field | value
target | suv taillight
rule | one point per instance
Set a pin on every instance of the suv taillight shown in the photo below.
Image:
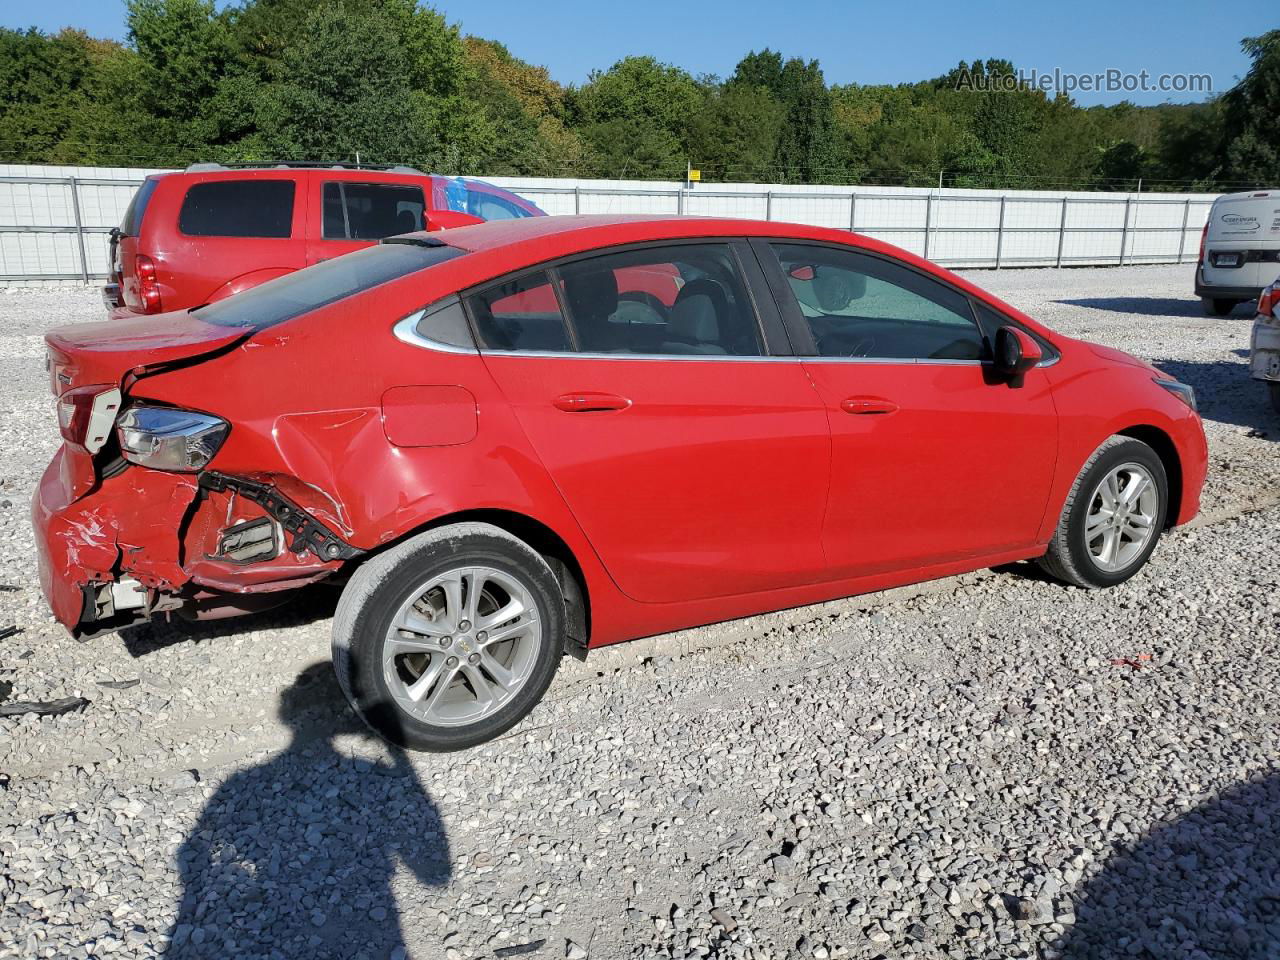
(148, 288)
(1204, 235)
(1269, 300)
(87, 414)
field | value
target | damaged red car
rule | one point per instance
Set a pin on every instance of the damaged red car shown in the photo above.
(517, 440)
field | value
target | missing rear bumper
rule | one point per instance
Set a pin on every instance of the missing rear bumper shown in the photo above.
(305, 532)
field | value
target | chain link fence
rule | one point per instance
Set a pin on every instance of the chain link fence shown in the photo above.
(54, 221)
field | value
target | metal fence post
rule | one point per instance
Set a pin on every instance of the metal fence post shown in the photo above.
(768, 204)
(928, 222)
(680, 201)
(75, 209)
(577, 199)
(1062, 232)
(1182, 237)
(853, 209)
(1000, 232)
(1124, 229)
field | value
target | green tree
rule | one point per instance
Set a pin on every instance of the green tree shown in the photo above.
(734, 135)
(343, 88)
(1252, 109)
(634, 118)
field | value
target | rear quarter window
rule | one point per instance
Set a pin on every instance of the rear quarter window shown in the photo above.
(238, 208)
(131, 226)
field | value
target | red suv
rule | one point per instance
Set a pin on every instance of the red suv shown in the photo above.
(201, 235)
(520, 439)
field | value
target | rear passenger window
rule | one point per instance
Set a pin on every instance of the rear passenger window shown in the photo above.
(371, 211)
(679, 300)
(238, 208)
(521, 314)
(862, 306)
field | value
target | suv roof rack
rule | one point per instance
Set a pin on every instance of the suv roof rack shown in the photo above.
(305, 165)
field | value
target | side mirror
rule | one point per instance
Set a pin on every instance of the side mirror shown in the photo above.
(1016, 352)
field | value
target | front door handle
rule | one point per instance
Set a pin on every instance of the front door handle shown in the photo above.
(590, 402)
(868, 405)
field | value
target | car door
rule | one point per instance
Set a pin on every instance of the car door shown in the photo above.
(934, 459)
(353, 214)
(695, 462)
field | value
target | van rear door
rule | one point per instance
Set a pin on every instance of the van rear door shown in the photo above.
(1242, 246)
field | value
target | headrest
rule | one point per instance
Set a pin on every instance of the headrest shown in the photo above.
(591, 294)
(835, 289)
(693, 319)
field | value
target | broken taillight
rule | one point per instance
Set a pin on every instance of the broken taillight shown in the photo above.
(87, 414)
(148, 286)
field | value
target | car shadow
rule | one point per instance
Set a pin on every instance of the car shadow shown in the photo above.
(1152, 306)
(1225, 393)
(295, 857)
(308, 605)
(1203, 885)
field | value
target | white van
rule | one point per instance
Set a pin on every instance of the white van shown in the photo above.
(1239, 250)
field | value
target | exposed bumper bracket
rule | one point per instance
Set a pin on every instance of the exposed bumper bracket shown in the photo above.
(305, 531)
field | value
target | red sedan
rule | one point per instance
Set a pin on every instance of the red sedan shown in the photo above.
(520, 439)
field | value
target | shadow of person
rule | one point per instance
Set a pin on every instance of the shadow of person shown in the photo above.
(295, 857)
(1206, 885)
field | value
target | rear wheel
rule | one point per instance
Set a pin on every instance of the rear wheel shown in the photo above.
(1112, 518)
(450, 638)
(1217, 307)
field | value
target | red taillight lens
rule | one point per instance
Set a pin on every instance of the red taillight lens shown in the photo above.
(1204, 235)
(1269, 300)
(87, 414)
(148, 287)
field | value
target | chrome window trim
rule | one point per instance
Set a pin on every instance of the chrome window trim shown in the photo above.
(406, 330)
(563, 355)
(713, 357)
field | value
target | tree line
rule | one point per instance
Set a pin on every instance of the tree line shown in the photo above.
(393, 82)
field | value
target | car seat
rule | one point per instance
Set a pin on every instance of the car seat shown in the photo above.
(696, 319)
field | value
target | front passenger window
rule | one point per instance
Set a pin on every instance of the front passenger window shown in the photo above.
(860, 306)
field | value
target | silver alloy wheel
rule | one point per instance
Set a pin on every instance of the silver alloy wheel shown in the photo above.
(1122, 516)
(461, 646)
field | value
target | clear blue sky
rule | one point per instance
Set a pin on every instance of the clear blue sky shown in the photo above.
(863, 42)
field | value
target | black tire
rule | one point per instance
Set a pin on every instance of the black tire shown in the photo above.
(1274, 389)
(1068, 558)
(376, 592)
(1217, 307)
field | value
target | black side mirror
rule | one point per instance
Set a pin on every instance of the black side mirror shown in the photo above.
(1016, 352)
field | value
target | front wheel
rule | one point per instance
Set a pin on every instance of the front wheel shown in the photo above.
(1112, 518)
(450, 638)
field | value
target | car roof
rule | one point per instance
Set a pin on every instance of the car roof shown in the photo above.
(589, 231)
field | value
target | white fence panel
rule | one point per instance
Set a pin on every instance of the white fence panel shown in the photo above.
(54, 220)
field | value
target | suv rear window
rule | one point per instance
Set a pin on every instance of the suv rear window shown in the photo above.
(238, 208)
(314, 287)
(371, 211)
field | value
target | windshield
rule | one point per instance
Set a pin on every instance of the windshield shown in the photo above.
(305, 290)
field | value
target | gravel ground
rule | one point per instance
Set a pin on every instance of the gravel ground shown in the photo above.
(989, 766)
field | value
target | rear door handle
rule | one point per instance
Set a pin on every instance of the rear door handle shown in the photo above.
(868, 405)
(590, 402)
